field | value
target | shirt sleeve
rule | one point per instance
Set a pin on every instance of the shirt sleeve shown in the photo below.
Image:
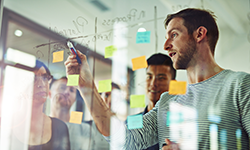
(136, 139)
(244, 102)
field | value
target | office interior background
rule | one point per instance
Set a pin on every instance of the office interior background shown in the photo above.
(36, 29)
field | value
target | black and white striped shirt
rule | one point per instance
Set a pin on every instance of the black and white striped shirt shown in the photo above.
(213, 114)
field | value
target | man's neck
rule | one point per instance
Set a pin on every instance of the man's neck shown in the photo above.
(62, 114)
(203, 70)
(151, 105)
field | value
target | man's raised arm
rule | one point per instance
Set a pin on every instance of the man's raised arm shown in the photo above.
(98, 109)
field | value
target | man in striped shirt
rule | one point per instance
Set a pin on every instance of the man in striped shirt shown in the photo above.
(214, 112)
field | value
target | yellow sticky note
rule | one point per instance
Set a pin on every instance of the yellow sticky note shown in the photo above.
(73, 80)
(76, 117)
(109, 51)
(104, 86)
(177, 87)
(58, 56)
(137, 101)
(139, 62)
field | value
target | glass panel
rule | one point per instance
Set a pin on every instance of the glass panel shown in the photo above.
(117, 37)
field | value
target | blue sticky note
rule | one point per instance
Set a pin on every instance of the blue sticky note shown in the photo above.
(143, 37)
(135, 121)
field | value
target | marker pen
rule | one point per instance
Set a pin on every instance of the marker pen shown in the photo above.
(73, 51)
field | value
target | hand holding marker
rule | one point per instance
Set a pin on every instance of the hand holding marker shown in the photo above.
(73, 51)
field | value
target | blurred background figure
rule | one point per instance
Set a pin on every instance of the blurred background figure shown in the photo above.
(83, 136)
(62, 98)
(159, 72)
(115, 100)
(45, 132)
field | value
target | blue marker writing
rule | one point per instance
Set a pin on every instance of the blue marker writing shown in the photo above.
(73, 51)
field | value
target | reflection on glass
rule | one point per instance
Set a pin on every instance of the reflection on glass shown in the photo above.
(17, 92)
(23, 58)
(213, 129)
(223, 139)
(238, 136)
(182, 121)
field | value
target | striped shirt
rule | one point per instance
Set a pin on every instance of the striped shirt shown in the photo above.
(213, 114)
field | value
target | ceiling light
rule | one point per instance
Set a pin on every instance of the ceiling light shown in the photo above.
(18, 33)
(141, 30)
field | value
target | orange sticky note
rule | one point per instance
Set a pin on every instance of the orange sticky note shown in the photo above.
(109, 51)
(76, 117)
(139, 62)
(177, 87)
(104, 86)
(137, 101)
(73, 80)
(58, 56)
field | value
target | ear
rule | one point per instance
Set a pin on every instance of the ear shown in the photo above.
(200, 34)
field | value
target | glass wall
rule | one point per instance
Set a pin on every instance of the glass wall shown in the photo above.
(117, 37)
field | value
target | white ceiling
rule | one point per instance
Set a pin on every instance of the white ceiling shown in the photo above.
(233, 17)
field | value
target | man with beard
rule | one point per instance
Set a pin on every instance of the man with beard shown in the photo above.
(214, 112)
(82, 136)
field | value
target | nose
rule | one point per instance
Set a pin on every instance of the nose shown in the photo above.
(153, 82)
(40, 83)
(67, 91)
(168, 45)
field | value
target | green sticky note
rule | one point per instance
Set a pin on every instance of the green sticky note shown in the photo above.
(104, 86)
(143, 37)
(109, 51)
(135, 121)
(73, 80)
(137, 101)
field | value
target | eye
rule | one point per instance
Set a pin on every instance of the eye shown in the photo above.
(161, 78)
(149, 77)
(72, 89)
(62, 87)
(173, 35)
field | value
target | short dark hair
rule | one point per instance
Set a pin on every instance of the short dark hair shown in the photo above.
(162, 59)
(116, 86)
(194, 18)
(54, 80)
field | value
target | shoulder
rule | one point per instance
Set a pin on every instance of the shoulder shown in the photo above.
(78, 126)
(58, 124)
(235, 74)
(166, 97)
(237, 78)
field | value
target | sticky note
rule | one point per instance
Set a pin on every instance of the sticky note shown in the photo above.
(104, 86)
(174, 118)
(137, 101)
(139, 62)
(109, 51)
(58, 56)
(143, 37)
(177, 87)
(135, 121)
(73, 80)
(76, 117)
